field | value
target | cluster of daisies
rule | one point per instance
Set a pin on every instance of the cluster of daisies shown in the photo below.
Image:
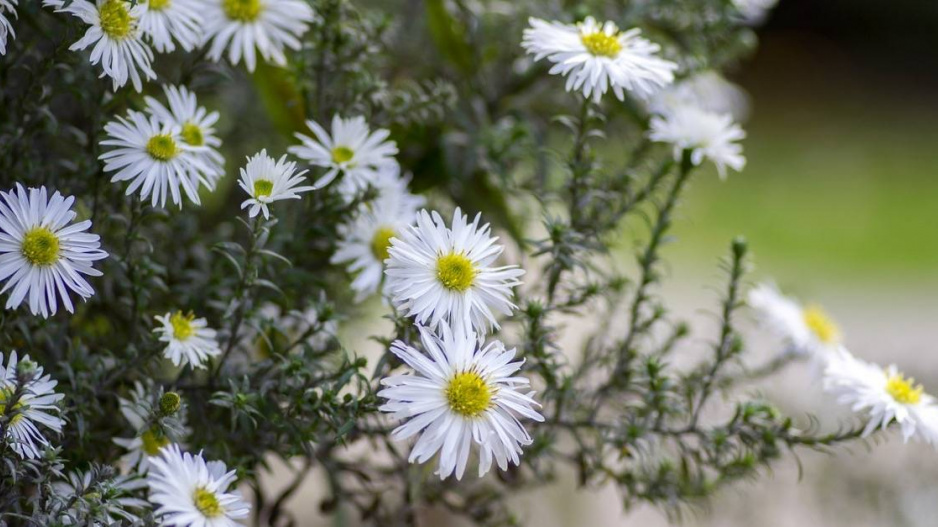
(123, 35)
(882, 395)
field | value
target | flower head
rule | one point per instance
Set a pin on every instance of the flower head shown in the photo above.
(163, 21)
(707, 90)
(6, 6)
(595, 57)
(884, 394)
(706, 135)
(188, 340)
(754, 12)
(43, 255)
(189, 491)
(806, 329)
(267, 181)
(116, 39)
(352, 149)
(28, 401)
(463, 393)
(440, 274)
(241, 26)
(155, 159)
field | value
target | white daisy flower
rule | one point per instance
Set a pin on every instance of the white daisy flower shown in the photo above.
(243, 25)
(193, 493)
(154, 158)
(146, 444)
(365, 241)
(463, 393)
(595, 57)
(706, 134)
(438, 274)
(707, 90)
(267, 181)
(43, 255)
(754, 12)
(352, 149)
(6, 29)
(27, 404)
(394, 191)
(162, 21)
(807, 330)
(196, 128)
(116, 38)
(188, 340)
(885, 395)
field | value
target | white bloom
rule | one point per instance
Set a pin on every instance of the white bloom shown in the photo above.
(365, 241)
(884, 394)
(267, 181)
(284, 330)
(188, 339)
(147, 443)
(463, 393)
(706, 134)
(193, 493)
(595, 57)
(6, 6)
(440, 274)
(196, 128)
(808, 330)
(707, 90)
(116, 38)
(164, 20)
(754, 12)
(43, 254)
(242, 25)
(352, 149)
(36, 405)
(154, 158)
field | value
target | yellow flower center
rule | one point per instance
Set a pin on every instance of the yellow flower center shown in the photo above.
(192, 134)
(382, 242)
(115, 19)
(455, 272)
(158, 5)
(40, 247)
(5, 395)
(207, 503)
(162, 147)
(153, 442)
(904, 390)
(182, 325)
(342, 154)
(600, 44)
(242, 10)
(821, 325)
(263, 187)
(468, 394)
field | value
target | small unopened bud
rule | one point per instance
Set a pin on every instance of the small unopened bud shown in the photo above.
(169, 403)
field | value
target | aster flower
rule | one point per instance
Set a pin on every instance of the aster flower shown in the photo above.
(707, 90)
(352, 149)
(807, 330)
(191, 492)
(116, 38)
(243, 25)
(706, 135)
(595, 57)
(154, 158)
(163, 21)
(43, 255)
(27, 399)
(196, 128)
(463, 393)
(439, 274)
(149, 437)
(188, 340)
(885, 395)
(267, 181)
(6, 29)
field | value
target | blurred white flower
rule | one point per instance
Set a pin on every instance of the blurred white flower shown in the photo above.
(706, 134)
(117, 39)
(707, 90)
(754, 12)
(163, 21)
(35, 405)
(462, 393)
(271, 326)
(188, 340)
(241, 26)
(885, 395)
(808, 330)
(6, 29)
(43, 255)
(352, 149)
(267, 181)
(595, 57)
(440, 274)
